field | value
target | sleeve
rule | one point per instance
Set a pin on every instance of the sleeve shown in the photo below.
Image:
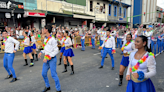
(151, 64)
(55, 50)
(99, 31)
(113, 43)
(17, 43)
(129, 66)
(133, 48)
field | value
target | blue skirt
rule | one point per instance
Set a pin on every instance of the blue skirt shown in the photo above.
(146, 86)
(33, 46)
(68, 52)
(62, 50)
(125, 61)
(27, 50)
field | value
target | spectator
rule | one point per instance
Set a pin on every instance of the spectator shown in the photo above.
(21, 34)
(17, 32)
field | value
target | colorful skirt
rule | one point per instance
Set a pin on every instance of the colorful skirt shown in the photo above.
(68, 52)
(33, 46)
(62, 49)
(146, 86)
(125, 61)
(27, 50)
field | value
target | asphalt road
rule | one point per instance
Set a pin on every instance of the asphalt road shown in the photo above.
(87, 77)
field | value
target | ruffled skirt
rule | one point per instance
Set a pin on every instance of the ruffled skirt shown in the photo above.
(33, 46)
(62, 49)
(125, 61)
(146, 86)
(27, 50)
(68, 52)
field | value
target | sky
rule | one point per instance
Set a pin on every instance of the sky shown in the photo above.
(160, 3)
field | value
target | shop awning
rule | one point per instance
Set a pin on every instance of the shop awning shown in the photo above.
(59, 14)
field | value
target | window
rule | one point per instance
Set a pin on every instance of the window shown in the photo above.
(124, 12)
(115, 11)
(91, 6)
(109, 9)
(104, 8)
(120, 11)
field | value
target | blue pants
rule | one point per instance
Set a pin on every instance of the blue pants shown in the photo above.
(8, 63)
(159, 45)
(109, 51)
(163, 44)
(153, 44)
(82, 44)
(101, 42)
(93, 43)
(119, 42)
(52, 66)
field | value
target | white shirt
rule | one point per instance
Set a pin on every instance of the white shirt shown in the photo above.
(26, 41)
(21, 33)
(130, 48)
(148, 67)
(17, 33)
(82, 36)
(29, 32)
(67, 42)
(102, 34)
(33, 40)
(110, 43)
(113, 33)
(9, 45)
(148, 34)
(51, 47)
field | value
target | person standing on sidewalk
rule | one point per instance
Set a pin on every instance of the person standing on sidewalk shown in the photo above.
(9, 55)
(50, 49)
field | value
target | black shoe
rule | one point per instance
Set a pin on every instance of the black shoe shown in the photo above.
(120, 83)
(72, 73)
(106, 57)
(100, 67)
(9, 76)
(112, 68)
(46, 89)
(59, 64)
(25, 64)
(36, 59)
(64, 71)
(13, 80)
(58, 91)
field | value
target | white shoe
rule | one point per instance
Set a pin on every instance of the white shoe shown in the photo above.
(156, 55)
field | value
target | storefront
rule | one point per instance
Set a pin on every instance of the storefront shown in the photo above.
(10, 13)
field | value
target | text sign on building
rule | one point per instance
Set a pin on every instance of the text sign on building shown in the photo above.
(73, 7)
(10, 4)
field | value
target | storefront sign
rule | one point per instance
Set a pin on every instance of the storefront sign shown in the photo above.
(34, 14)
(73, 7)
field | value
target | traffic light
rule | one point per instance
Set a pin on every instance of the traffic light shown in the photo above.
(144, 13)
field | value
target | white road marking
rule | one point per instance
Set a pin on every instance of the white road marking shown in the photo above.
(96, 53)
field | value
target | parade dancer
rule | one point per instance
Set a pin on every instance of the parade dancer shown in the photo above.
(109, 47)
(62, 48)
(50, 50)
(148, 34)
(68, 52)
(93, 39)
(102, 38)
(33, 46)
(9, 55)
(82, 41)
(141, 68)
(127, 48)
(27, 49)
(154, 42)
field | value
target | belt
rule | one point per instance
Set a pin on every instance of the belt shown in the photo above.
(126, 55)
(67, 47)
(136, 80)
